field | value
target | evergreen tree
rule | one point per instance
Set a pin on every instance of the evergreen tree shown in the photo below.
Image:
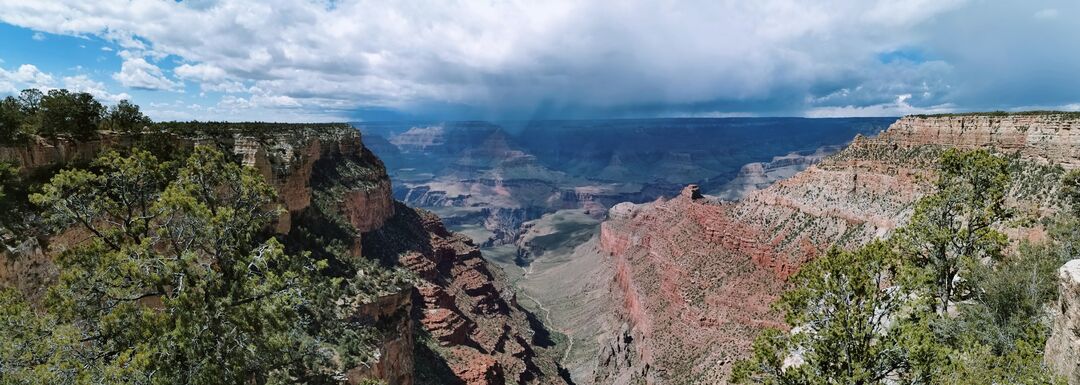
(842, 306)
(877, 314)
(30, 101)
(126, 117)
(64, 112)
(177, 284)
(11, 121)
(954, 228)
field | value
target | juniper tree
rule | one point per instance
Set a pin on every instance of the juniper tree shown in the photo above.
(842, 306)
(954, 228)
(177, 283)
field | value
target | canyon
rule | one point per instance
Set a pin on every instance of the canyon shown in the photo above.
(593, 252)
(533, 197)
(454, 321)
(694, 275)
(487, 179)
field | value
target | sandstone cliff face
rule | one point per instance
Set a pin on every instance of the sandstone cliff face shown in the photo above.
(692, 292)
(288, 161)
(1045, 137)
(328, 175)
(757, 176)
(696, 276)
(1063, 347)
(464, 305)
(395, 351)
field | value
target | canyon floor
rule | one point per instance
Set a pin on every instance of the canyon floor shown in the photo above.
(534, 196)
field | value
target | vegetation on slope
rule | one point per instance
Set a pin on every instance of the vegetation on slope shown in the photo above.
(944, 302)
(177, 278)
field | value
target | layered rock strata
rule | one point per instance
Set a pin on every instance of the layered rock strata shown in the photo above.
(696, 276)
(327, 180)
(464, 304)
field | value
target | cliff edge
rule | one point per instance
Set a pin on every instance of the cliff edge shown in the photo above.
(334, 190)
(696, 275)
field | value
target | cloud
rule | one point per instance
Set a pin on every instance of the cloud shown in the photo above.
(82, 83)
(26, 76)
(524, 58)
(898, 107)
(38, 36)
(136, 72)
(29, 76)
(209, 77)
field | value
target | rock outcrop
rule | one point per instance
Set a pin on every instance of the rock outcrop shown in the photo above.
(327, 179)
(696, 275)
(288, 160)
(516, 174)
(395, 350)
(759, 175)
(296, 163)
(464, 304)
(1063, 347)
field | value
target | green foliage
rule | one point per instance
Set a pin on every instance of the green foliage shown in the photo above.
(766, 362)
(877, 314)
(954, 228)
(7, 181)
(1070, 191)
(10, 189)
(1009, 296)
(126, 117)
(178, 284)
(12, 119)
(64, 112)
(78, 115)
(30, 100)
(256, 129)
(978, 364)
(842, 304)
(35, 348)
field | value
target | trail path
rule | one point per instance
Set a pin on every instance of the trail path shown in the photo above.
(547, 314)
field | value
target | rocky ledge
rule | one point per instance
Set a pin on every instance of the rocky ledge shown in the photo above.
(325, 176)
(1063, 347)
(696, 275)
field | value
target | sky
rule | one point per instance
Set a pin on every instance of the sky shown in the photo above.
(338, 60)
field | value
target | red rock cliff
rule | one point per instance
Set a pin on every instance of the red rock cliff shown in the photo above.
(696, 276)
(481, 335)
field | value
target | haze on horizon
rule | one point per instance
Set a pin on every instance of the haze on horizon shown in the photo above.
(369, 60)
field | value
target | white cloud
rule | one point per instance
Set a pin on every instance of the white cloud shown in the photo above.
(38, 36)
(82, 83)
(209, 77)
(26, 76)
(898, 107)
(29, 76)
(200, 72)
(237, 109)
(136, 72)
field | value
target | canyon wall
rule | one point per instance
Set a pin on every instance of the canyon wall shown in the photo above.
(696, 275)
(1063, 347)
(330, 184)
(469, 313)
